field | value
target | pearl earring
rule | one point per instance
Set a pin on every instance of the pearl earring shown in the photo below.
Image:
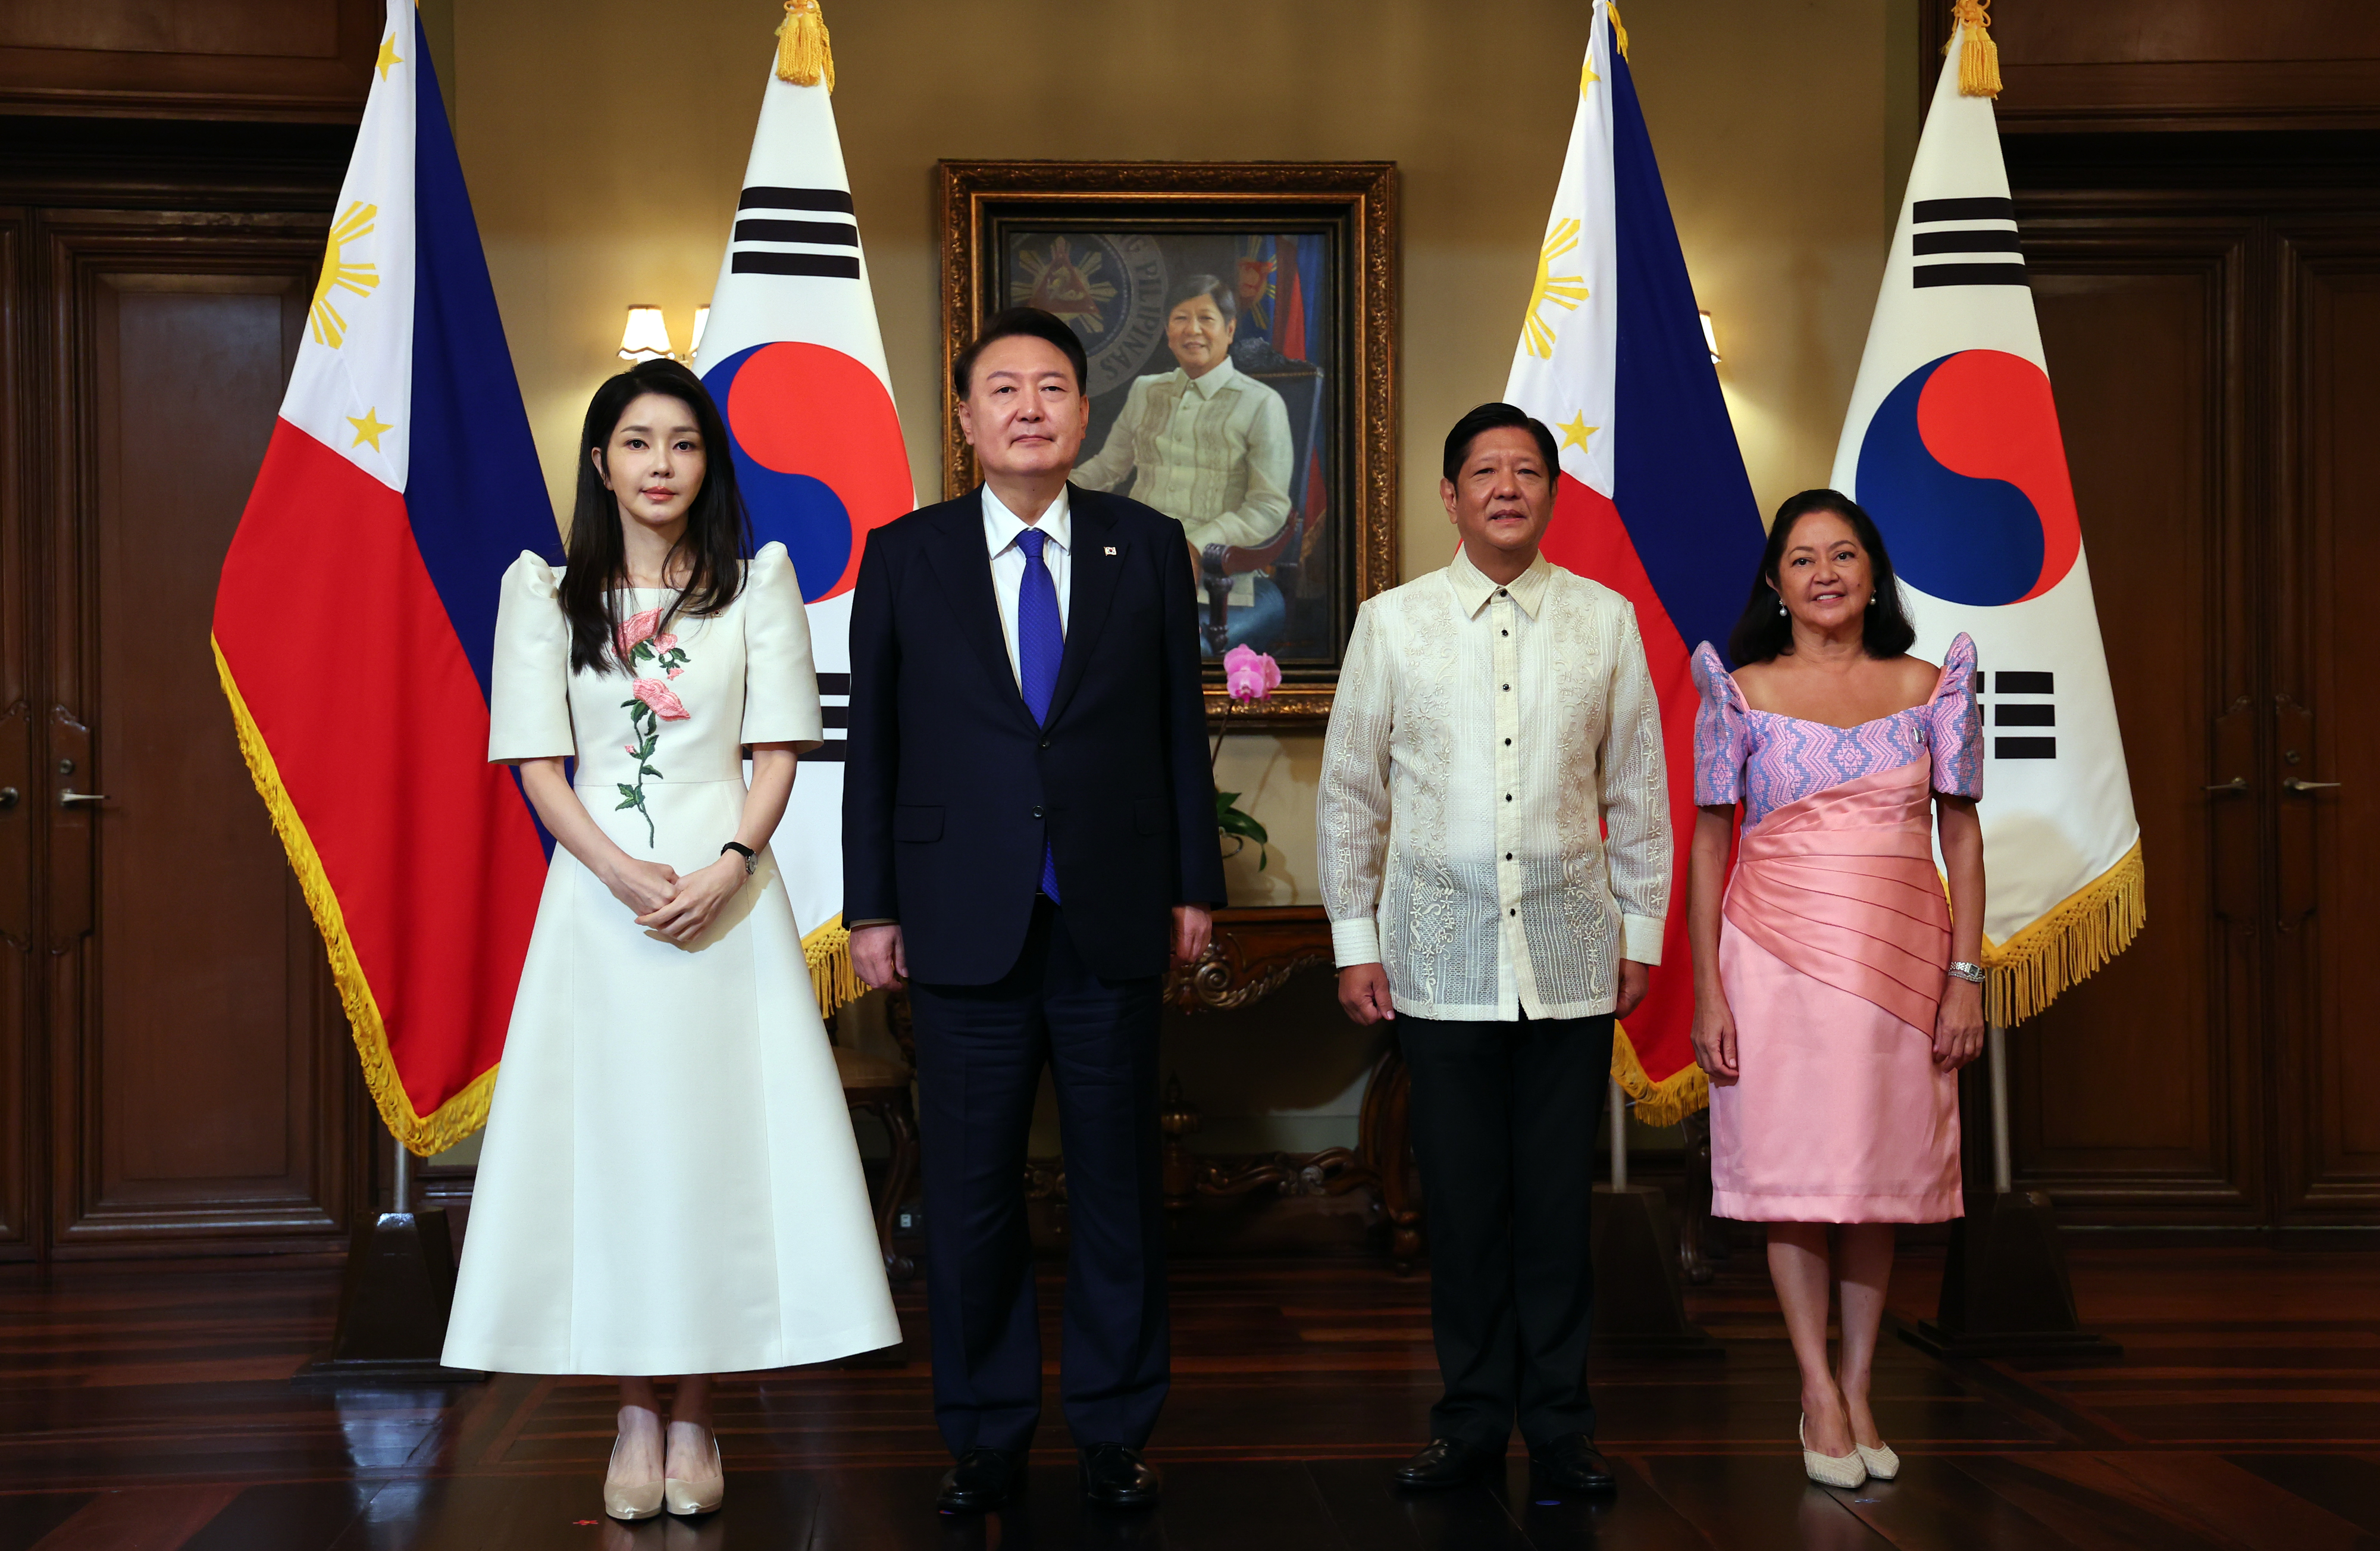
(1871, 600)
(1781, 608)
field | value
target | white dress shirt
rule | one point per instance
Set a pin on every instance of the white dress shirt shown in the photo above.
(1211, 452)
(1001, 528)
(1481, 739)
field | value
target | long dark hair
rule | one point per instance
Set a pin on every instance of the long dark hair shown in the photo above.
(718, 537)
(1765, 631)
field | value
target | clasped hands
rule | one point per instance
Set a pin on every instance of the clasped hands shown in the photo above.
(677, 909)
(1363, 991)
(883, 961)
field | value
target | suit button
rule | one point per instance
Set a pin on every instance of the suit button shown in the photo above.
(1036, 810)
(1045, 743)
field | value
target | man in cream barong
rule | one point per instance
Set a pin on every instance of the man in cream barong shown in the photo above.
(1493, 720)
(1208, 446)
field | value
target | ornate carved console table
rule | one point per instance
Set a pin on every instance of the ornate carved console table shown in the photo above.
(1254, 953)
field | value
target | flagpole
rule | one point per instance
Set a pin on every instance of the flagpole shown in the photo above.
(2003, 1172)
(395, 1298)
(1618, 1136)
(401, 1194)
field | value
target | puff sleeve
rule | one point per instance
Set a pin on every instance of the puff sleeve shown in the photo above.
(528, 679)
(780, 694)
(1720, 732)
(1954, 725)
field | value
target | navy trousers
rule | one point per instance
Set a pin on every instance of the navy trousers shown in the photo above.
(980, 1051)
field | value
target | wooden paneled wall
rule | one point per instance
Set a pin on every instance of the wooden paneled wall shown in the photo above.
(246, 59)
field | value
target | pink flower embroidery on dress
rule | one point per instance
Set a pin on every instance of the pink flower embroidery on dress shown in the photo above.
(652, 702)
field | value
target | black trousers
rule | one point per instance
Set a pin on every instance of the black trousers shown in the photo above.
(1504, 1119)
(980, 1050)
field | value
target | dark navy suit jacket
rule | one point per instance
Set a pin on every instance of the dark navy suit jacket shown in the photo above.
(950, 790)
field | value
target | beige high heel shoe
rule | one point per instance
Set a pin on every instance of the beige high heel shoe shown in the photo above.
(628, 1502)
(682, 1497)
(1831, 1469)
(1881, 1462)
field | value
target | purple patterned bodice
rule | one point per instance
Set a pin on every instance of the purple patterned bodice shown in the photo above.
(1766, 761)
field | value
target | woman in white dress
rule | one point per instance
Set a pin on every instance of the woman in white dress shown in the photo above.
(669, 1184)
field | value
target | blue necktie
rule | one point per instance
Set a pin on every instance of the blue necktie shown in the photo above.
(1040, 640)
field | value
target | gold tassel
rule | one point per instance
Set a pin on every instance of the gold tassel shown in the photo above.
(459, 1116)
(1979, 57)
(1657, 1103)
(1620, 40)
(803, 57)
(2026, 974)
(833, 974)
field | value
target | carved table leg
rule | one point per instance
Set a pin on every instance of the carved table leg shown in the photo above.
(1694, 1233)
(1386, 1142)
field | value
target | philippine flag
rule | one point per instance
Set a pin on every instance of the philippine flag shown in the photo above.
(1652, 500)
(356, 614)
(793, 355)
(1952, 444)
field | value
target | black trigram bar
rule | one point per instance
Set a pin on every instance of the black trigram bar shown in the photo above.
(2026, 683)
(1985, 208)
(834, 683)
(763, 198)
(762, 262)
(809, 231)
(834, 716)
(833, 753)
(1923, 243)
(2008, 748)
(2007, 715)
(1968, 275)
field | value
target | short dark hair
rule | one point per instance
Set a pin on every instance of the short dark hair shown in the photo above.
(1488, 417)
(1227, 300)
(1763, 632)
(1028, 322)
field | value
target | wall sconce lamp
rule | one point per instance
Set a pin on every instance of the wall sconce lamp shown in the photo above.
(1709, 339)
(647, 335)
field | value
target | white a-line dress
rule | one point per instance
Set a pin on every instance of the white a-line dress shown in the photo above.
(669, 1184)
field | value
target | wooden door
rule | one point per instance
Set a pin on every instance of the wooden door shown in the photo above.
(198, 1078)
(2326, 721)
(2211, 353)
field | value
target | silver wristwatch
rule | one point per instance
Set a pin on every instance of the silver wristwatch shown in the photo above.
(1971, 973)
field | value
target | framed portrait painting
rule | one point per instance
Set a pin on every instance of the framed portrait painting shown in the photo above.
(1238, 319)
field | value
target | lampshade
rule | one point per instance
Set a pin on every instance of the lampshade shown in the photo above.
(1710, 338)
(701, 321)
(646, 337)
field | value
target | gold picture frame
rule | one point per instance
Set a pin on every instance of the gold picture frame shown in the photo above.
(1312, 253)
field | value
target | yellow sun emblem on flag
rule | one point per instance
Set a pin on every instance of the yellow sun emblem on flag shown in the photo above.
(1565, 291)
(338, 274)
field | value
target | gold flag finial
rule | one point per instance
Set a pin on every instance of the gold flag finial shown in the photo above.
(1979, 57)
(803, 57)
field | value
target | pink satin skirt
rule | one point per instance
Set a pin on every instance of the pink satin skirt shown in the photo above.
(1834, 942)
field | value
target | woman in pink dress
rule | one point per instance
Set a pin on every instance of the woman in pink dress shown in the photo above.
(1835, 996)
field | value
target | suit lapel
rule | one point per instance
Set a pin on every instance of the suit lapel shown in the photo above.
(963, 565)
(1098, 563)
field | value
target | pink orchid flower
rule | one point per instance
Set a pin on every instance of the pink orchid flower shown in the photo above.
(1250, 674)
(662, 698)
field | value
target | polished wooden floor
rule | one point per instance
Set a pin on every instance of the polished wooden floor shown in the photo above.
(151, 1410)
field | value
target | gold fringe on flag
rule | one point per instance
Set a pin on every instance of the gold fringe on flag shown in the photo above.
(1979, 57)
(421, 1134)
(1620, 40)
(2098, 922)
(803, 57)
(1657, 1103)
(833, 974)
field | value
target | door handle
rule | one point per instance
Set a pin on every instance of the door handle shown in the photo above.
(67, 798)
(7, 798)
(2236, 783)
(2294, 783)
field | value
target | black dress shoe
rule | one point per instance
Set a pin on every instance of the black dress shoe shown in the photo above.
(980, 1482)
(1447, 1463)
(1572, 1464)
(1114, 1476)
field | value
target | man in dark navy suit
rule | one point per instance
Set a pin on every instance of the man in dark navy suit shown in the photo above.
(1028, 836)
